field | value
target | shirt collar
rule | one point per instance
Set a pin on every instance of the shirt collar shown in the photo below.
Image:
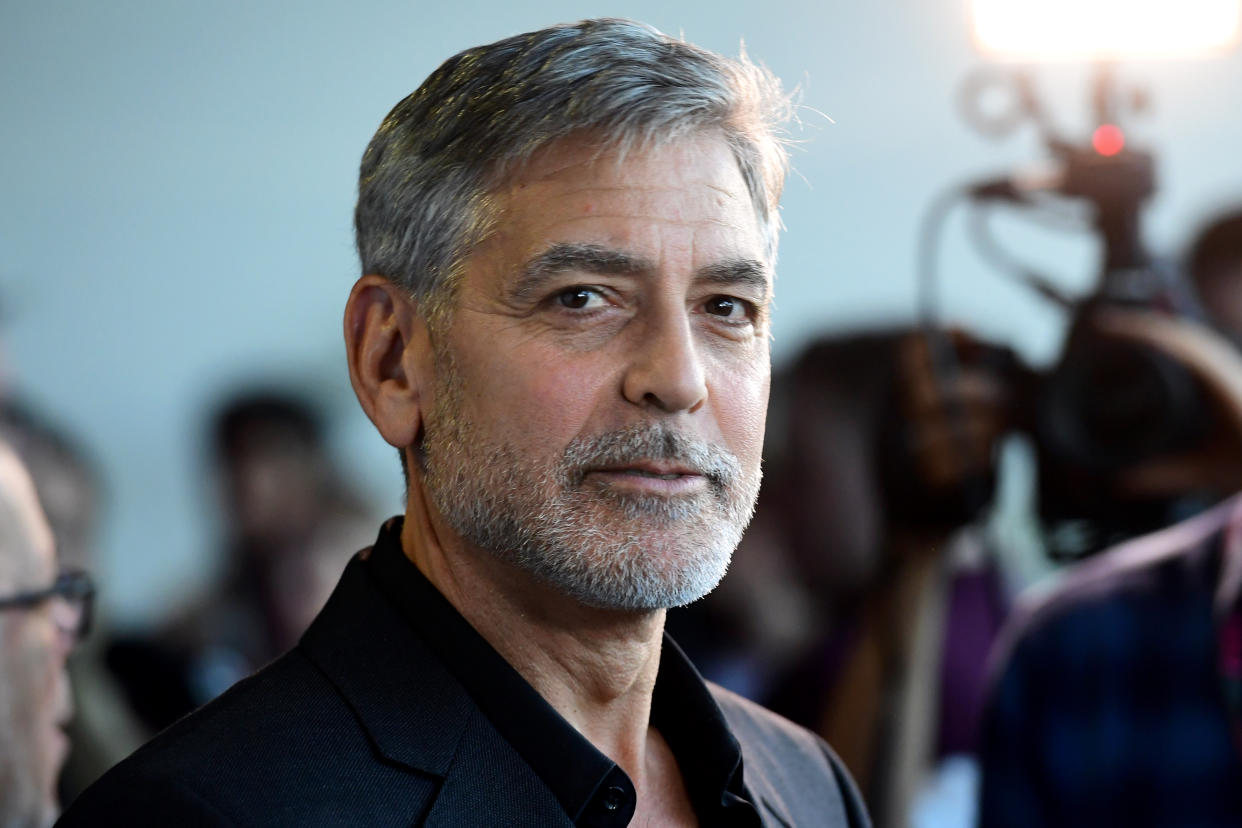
(593, 790)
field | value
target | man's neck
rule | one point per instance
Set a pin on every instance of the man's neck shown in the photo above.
(597, 668)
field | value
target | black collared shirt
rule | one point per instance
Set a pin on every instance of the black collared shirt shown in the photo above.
(594, 791)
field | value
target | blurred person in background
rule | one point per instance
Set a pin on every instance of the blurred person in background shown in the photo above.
(65, 480)
(1214, 262)
(42, 614)
(1117, 693)
(290, 523)
(104, 729)
(285, 501)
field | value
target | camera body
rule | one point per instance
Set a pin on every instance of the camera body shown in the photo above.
(1104, 410)
(1105, 407)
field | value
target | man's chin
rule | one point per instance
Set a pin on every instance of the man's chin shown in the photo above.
(638, 580)
(646, 511)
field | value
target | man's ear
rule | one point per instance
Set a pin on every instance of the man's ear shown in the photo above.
(389, 353)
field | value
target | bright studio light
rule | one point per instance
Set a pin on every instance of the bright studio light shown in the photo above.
(1104, 29)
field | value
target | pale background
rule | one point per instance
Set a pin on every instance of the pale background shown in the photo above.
(177, 180)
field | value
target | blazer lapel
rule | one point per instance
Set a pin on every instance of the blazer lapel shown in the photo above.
(411, 707)
(493, 784)
(417, 714)
(763, 792)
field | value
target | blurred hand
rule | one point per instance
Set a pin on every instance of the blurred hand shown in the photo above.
(956, 402)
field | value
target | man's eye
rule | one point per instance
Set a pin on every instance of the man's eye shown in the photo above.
(728, 307)
(578, 298)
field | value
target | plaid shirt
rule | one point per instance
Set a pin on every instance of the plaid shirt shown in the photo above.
(1110, 704)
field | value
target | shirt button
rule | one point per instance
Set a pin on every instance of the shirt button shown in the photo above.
(614, 798)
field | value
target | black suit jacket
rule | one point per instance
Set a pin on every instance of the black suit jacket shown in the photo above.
(361, 724)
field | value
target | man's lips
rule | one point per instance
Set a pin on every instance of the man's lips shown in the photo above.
(655, 477)
(654, 469)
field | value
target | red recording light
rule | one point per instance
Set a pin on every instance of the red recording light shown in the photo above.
(1108, 139)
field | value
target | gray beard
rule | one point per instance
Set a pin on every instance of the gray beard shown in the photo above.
(605, 548)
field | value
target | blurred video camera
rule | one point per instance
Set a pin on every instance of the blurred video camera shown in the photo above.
(1105, 406)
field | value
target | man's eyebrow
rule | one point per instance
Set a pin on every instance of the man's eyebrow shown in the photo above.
(594, 258)
(748, 272)
(588, 258)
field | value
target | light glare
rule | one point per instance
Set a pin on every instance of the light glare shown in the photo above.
(1104, 29)
(1108, 139)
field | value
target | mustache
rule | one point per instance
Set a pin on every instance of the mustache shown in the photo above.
(649, 441)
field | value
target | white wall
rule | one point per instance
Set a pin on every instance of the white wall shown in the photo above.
(177, 179)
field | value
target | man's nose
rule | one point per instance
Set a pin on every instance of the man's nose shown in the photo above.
(666, 369)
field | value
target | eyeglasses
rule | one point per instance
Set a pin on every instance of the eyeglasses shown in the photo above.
(76, 592)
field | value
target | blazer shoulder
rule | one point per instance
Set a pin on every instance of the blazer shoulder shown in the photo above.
(269, 751)
(134, 795)
(790, 769)
(1131, 587)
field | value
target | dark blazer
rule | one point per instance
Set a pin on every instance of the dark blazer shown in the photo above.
(361, 724)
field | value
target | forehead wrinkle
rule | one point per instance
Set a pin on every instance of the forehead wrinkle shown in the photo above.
(727, 192)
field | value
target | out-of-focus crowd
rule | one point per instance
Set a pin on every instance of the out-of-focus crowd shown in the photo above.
(290, 522)
(874, 598)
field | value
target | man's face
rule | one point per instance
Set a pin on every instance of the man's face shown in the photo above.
(273, 490)
(34, 690)
(602, 384)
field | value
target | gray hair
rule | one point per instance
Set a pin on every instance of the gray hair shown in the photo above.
(423, 192)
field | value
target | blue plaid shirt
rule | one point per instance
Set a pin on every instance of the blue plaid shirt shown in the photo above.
(1108, 708)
